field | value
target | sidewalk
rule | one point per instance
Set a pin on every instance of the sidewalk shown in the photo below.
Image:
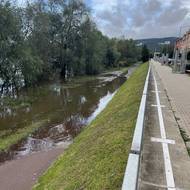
(165, 163)
(178, 90)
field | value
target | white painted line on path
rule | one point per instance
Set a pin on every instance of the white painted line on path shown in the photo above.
(167, 141)
(167, 161)
(155, 91)
(162, 106)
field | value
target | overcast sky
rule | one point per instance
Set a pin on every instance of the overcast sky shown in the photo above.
(141, 18)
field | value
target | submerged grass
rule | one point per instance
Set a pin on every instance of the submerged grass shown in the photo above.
(123, 69)
(9, 137)
(15, 103)
(81, 79)
(97, 158)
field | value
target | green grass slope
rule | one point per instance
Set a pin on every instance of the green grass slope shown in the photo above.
(97, 158)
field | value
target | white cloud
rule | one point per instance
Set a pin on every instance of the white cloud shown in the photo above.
(141, 19)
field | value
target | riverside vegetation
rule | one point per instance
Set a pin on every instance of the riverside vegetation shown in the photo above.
(47, 39)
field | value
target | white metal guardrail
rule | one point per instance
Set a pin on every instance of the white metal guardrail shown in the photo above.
(130, 181)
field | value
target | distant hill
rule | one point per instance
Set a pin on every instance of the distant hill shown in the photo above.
(155, 43)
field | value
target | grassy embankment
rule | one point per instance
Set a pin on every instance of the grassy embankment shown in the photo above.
(97, 158)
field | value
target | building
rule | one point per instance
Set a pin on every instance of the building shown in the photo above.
(182, 53)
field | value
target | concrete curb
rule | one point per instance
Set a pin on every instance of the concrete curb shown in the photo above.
(130, 181)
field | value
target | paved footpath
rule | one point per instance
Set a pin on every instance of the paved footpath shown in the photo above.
(165, 163)
(178, 90)
(22, 174)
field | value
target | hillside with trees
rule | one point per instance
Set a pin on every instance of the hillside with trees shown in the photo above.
(157, 43)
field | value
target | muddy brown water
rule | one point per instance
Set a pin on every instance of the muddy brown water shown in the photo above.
(67, 108)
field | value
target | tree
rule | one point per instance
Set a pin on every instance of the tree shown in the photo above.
(112, 54)
(167, 48)
(129, 51)
(55, 37)
(94, 48)
(10, 43)
(15, 55)
(70, 17)
(145, 53)
(36, 27)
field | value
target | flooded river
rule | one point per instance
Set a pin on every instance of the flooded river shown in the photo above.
(66, 109)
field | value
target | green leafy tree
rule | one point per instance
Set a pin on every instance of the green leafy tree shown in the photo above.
(70, 17)
(129, 51)
(112, 54)
(10, 43)
(95, 48)
(145, 54)
(167, 49)
(15, 55)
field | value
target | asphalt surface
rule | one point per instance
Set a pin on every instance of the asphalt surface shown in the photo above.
(165, 163)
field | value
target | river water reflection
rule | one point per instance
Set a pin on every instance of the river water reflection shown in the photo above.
(67, 108)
